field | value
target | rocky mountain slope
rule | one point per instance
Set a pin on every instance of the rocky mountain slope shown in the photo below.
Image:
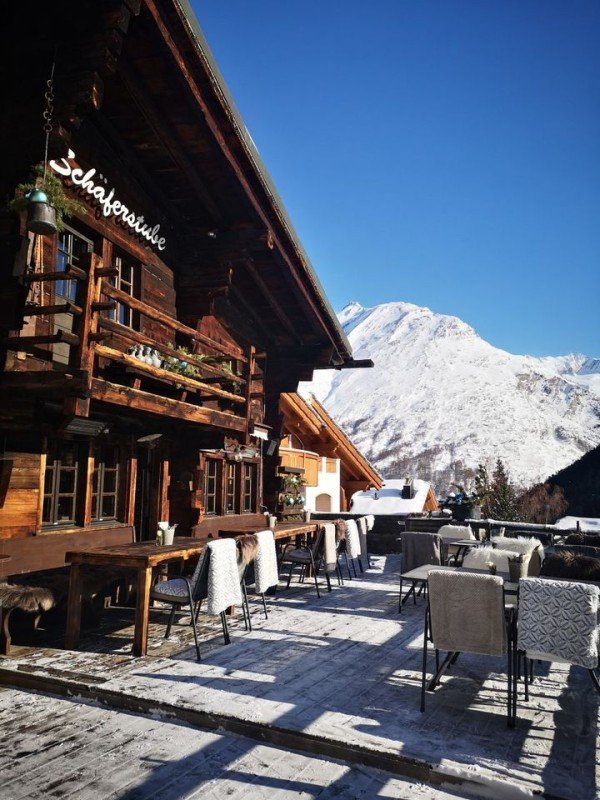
(440, 399)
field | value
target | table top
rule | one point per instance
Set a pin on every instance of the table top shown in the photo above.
(140, 555)
(422, 574)
(282, 530)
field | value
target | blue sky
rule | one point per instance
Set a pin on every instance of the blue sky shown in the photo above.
(443, 153)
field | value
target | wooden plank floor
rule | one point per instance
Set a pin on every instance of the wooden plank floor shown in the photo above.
(346, 670)
(58, 748)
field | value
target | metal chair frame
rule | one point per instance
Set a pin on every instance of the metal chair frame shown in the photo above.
(451, 658)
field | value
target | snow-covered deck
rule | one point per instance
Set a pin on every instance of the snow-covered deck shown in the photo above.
(340, 676)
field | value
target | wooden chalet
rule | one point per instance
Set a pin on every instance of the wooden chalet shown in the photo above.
(314, 443)
(106, 425)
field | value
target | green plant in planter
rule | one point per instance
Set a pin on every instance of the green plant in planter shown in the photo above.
(53, 188)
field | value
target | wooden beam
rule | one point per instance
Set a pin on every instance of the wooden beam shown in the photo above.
(18, 342)
(164, 406)
(70, 273)
(169, 322)
(164, 374)
(58, 308)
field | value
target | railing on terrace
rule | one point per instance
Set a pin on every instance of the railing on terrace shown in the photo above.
(227, 378)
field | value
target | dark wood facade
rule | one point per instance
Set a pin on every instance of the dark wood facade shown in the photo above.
(95, 439)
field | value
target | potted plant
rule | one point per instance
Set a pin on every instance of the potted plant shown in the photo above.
(45, 201)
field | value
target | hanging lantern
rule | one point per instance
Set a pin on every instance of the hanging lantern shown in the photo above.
(41, 216)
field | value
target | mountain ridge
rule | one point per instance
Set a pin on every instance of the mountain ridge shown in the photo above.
(441, 399)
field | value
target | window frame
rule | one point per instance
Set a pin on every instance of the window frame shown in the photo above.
(217, 463)
(132, 288)
(249, 469)
(100, 470)
(231, 473)
(53, 449)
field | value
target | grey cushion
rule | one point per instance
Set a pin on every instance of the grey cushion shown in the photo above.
(297, 556)
(172, 591)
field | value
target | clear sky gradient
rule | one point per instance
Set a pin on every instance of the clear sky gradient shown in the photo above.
(445, 153)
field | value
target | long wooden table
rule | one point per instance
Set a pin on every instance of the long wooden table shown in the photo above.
(283, 530)
(142, 557)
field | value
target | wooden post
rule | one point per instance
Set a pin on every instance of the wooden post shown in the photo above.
(73, 609)
(142, 610)
(249, 374)
(82, 357)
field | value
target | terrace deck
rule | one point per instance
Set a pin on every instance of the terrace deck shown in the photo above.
(340, 677)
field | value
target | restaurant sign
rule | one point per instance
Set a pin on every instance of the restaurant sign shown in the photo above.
(91, 185)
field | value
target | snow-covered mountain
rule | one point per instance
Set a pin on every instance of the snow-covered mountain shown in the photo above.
(440, 399)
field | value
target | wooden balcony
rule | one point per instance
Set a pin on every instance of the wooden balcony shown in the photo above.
(209, 382)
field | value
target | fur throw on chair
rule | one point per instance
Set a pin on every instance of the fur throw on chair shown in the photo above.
(526, 545)
(33, 599)
(588, 539)
(573, 566)
(247, 548)
(340, 529)
(478, 558)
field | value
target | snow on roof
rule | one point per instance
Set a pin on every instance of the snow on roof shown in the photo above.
(586, 524)
(388, 500)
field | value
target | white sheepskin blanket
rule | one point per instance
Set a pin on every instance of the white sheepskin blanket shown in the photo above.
(223, 576)
(330, 550)
(455, 532)
(362, 532)
(522, 544)
(478, 558)
(352, 539)
(532, 549)
(370, 521)
(265, 564)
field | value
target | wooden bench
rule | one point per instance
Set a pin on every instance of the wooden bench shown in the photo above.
(40, 592)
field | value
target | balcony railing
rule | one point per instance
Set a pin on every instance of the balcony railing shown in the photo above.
(98, 344)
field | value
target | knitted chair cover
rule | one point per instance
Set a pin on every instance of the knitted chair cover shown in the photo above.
(558, 621)
(467, 612)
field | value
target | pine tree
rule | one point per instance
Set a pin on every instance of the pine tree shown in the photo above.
(503, 500)
(483, 489)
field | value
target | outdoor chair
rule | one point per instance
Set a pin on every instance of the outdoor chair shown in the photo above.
(309, 556)
(531, 548)
(450, 534)
(417, 549)
(215, 579)
(480, 557)
(353, 545)
(466, 614)
(579, 549)
(557, 621)
(363, 531)
(569, 565)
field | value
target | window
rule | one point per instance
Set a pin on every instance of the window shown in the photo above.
(212, 474)
(126, 280)
(231, 480)
(72, 247)
(105, 483)
(249, 490)
(60, 484)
